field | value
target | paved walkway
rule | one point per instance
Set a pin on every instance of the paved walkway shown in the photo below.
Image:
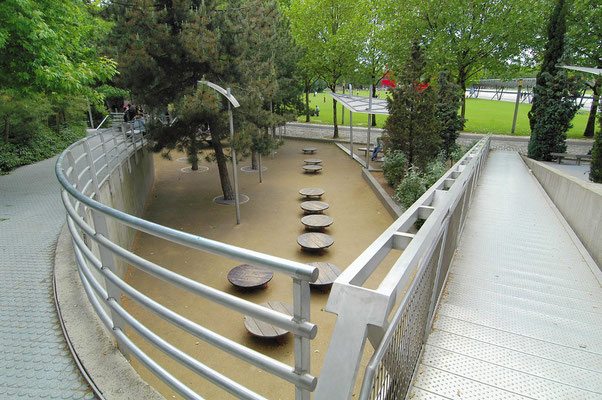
(498, 142)
(35, 361)
(521, 316)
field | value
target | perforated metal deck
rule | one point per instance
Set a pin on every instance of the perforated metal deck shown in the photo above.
(521, 316)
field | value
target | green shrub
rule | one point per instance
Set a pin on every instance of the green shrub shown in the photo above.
(394, 166)
(42, 144)
(410, 188)
(435, 170)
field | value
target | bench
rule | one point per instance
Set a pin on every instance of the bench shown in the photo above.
(262, 329)
(312, 169)
(311, 192)
(315, 241)
(364, 149)
(247, 276)
(578, 157)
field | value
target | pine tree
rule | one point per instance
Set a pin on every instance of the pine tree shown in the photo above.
(412, 126)
(553, 96)
(450, 101)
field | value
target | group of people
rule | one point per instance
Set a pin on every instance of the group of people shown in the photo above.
(132, 112)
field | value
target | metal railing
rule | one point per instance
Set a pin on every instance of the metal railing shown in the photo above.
(415, 281)
(82, 170)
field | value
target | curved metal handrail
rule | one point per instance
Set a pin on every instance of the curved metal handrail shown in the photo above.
(82, 179)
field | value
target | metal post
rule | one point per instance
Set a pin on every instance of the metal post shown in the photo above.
(369, 126)
(234, 166)
(351, 125)
(301, 305)
(106, 257)
(520, 86)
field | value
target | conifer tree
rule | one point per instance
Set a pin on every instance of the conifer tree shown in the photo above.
(553, 96)
(412, 126)
(449, 102)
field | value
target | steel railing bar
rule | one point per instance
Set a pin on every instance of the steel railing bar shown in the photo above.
(262, 361)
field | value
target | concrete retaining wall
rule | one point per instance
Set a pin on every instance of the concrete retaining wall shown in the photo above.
(128, 196)
(579, 202)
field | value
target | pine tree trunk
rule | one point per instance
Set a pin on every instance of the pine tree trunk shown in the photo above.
(222, 167)
(254, 160)
(193, 152)
(591, 120)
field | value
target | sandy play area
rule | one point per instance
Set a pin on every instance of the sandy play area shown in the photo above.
(270, 223)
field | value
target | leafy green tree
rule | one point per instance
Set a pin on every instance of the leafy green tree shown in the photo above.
(47, 48)
(332, 32)
(412, 126)
(449, 101)
(466, 37)
(554, 95)
(584, 36)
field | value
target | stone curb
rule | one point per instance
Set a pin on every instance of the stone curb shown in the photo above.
(104, 367)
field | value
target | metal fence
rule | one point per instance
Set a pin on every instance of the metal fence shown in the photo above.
(389, 373)
(410, 290)
(82, 170)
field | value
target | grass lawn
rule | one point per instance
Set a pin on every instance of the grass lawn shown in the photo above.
(483, 116)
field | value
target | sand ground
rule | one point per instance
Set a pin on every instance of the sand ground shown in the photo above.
(270, 223)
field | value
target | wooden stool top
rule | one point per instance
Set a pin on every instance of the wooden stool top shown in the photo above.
(311, 192)
(328, 273)
(262, 329)
(314, 207)
(312, 161)
(315, 241)
(312, 168)
(309, 150)
(317, 221)
(249, 276)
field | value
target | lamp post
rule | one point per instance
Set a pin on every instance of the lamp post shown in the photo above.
(231, 102)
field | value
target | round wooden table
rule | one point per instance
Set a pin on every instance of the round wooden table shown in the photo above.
(247, 276)
(317, 221)
(262, 329)
(328, 273)
(311, 192)
(309, 150)
(312, 161)
(314, 207)
(315, 241)
(312, 168)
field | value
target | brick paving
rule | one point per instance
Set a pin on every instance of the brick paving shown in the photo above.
(35, 361)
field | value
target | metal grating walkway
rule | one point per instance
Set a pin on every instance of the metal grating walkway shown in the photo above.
(521, 316)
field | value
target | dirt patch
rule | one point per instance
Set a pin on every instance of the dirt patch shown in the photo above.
(270, 223)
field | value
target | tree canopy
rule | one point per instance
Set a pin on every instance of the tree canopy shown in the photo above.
(50, 46)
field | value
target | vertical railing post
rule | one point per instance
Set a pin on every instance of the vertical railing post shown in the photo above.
(301, 297)
(106, 257)
(134, 143)
(118, 157)
(127, 154)
(107, 162)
